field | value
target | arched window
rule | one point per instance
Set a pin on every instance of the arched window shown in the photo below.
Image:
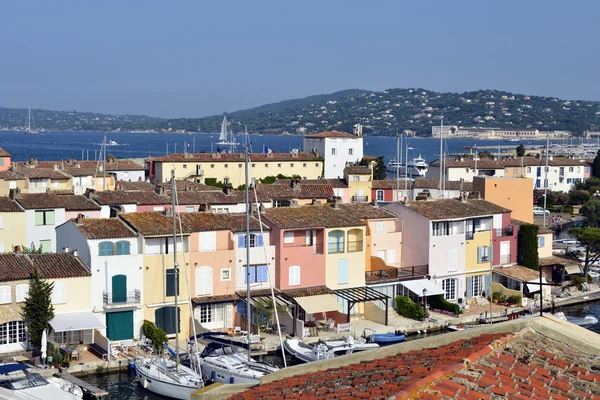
(106, 249)
(335, 241)
(294, 278)
(355, 240)
(123, 247)
(22, 292)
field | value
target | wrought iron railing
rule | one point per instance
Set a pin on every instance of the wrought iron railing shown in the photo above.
(129, 297)
(396, 273)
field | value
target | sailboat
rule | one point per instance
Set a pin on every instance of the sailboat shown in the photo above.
(162, 376)
(225, 139)
(30, 131)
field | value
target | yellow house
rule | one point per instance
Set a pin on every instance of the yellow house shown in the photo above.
(155, 230)
(512, 192)
(12, 225)
(229, 167)
(40, 180)
(360, 181)
(11, 180)
(478, 261)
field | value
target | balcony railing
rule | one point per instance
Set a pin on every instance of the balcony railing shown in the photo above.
(396, 273)
(316, 248)
(119, 300)
(504, 259)
(508, 231)
(360, 199)
(348, 246)
(469, 235)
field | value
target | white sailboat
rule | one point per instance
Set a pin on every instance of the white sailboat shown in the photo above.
(226, 138)
(30, 131)
(167, 377)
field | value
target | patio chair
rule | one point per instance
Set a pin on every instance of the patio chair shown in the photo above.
(75, 355)
(331, 325)
(237, 331)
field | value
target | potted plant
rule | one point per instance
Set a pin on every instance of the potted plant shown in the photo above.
(496, 297)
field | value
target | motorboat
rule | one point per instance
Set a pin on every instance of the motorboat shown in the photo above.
(319, 351)
(384, 338)
(588, 320)
(167, 378)
(417, 167)
(228, 364)
(17, 382)
(359, 344)
(112, 143)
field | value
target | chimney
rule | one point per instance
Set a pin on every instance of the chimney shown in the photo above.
(374, 203)
(14, 193)
(463, 197)
(74, 253)
(66, 249)
(79, 219)
(159, 190)
(315, 202)
(228, 190)
(294, 184)
(17, 250)
(90, 193)
(334, 203)
(55, 167)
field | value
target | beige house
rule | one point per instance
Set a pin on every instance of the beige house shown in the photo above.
(360, 181)
(40, 180)
(12, 225)
(11, 180)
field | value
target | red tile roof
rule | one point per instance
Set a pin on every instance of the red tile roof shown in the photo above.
(111, 165)
(11, 176)
(357, 170)
(152, 223)
(558, 260)
(335, 183)
(8, 205)
(41, 173)
(366, 211)
(518, 272)
(103, 228)
(113, 197)
(188, 186)
(422, 183)
(501, 163)
(523, 365)
(302, 191)
(4, 153)
(203, 221)
(305, 217)
(331, 134)
(235, 157)
(15, 267)
(237, 223)
(453, 208)
(35, 201)
(212, 197)
(135, 186)
(386, 184)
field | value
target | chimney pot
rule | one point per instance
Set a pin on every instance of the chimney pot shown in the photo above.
(66, 249)
(75, 252)
(17, 249)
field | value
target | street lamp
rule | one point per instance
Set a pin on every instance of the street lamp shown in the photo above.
(425, 302)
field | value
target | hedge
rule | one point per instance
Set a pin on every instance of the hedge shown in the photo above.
(408, 308)
(440, 303)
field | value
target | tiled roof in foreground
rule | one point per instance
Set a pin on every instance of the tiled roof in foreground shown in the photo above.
(455, 208)
(520, 365)
(14, 267)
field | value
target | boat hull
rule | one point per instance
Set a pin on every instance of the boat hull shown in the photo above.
(387, 338)
(164, 387)
(220, 375)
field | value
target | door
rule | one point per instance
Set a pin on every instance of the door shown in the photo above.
(504, 253)
(119, 289)
(119, 325)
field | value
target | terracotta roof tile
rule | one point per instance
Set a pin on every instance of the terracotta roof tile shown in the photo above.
(234, 157)
(135, 186)
(41, 173)
(357, 170)
(187, 186)
(224, 298)
(204, 221)
(518, 272)
(333, 182)
(212, 197)
(8, 205)
(331, 134)
(310, 217)
(453, 208)
(301, 191)
(366, 211)
(501, 163)
(421, 183)
(113, 197)
(152, 223)
(237, 222)
(35, 201)
(4, 153)
(9, 175)
(111, 165)
(103, 228)
(50, 266)
(558, 260)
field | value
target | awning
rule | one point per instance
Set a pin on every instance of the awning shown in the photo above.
(75, 321)
(572, 269)
(534, 286)
(418, 285)
(319, 303)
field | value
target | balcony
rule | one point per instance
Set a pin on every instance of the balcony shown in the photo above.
(508, 231)
(391, 274)
(131, 298)
(317, 248)
(360, 199)
(504, 259)
(469, 235)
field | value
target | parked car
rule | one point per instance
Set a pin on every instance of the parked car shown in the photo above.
(540, 211)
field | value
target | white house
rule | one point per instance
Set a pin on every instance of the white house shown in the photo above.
(337, 148)
(110, 250)
(43, 212)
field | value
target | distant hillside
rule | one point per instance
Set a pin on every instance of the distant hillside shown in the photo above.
(382, 113)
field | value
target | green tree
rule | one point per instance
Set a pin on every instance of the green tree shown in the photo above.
(591, 212)
(38, 310)
(527, 246)
(590, 239)
(520, 150)
(596, 169)
(156, 334)
(379, 171)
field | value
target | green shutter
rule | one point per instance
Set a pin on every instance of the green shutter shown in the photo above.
(164, 318)
(170, 285)
(39, 218)
(119, 289)
(49, 217)
(119, 325)
(45, 245)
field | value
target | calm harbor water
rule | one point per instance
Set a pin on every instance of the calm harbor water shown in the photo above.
(75, 145)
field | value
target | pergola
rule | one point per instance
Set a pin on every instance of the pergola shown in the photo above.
(362, 295)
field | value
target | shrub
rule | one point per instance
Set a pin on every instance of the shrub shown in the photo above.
(578, 281)
(157, 335)
(568, 209)
(408, 308)
(440, 303)
(497, 296)
(514, 299)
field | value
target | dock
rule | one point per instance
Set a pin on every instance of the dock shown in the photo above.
(88, 390)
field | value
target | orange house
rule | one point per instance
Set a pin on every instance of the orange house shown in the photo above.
(4, 160)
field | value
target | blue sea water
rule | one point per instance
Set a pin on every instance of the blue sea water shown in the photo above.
(84, 145)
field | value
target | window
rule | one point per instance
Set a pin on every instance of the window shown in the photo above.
(541, 241)
(452, 259)
(380, 227)
(350, 152)
(213, 313)
(578, 169)
(288, 237)
(253, 165)
(354, 178)
(5, 296)
(292, 165)
(477, 285)
(46, 246)
(343, 277)
(22, 291)
(189, 209)
(258, 273)
(1, 222)
(226, 165)
(13, 332)
(441, 228)
(204, 283)
(123, 248)
(44, 217)
(225, 274)
(483, 254)
(391, 257)
(239, 165)
(279, 165)
(294, 278)
(355, 240)
(515, 171)
(212, 165)
(379, 195)
(59, 293)
(304, 165)
(570, 169)
(316, 164)
(309, 240)
(184, 166)
(165, 318)
(170, 282)
(208, 241)
(266, 165)
(256, 240)
(449, 288)
(206, 313)
(528, 170)
(333, 151)
(335, 241)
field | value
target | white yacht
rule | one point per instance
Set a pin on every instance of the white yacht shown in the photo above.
(319, 351)
(359, 345)
(112, 143)
(166, 378)
(417, 167)
(228, 364)
(18, 383)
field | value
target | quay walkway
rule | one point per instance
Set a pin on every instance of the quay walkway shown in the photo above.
(89, 390)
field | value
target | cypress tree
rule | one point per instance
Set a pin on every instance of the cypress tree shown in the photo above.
(38, 310)
(527, 246)
(596, 171)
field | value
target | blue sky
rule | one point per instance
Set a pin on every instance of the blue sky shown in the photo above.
(198, 58)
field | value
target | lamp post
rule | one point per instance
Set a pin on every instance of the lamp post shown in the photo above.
(425, 304)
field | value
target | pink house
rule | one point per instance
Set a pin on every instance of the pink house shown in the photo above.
(504, 240)
(4, 160)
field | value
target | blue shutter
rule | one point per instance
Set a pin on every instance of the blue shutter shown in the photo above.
(542, 241)
(491, 251)
(479, 254)
(263, 273)
(241, 308)
(259, 240)
(105, 249)
(241, 241)
(469, 287)
(488, 285)
(342, 271)
(123, 248)
(252, 274)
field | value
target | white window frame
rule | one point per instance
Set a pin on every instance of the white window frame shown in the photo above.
(380, 227)
(22, 291)
(449, 286)
(5, 294)
(294, 275)
(380, 195)
(228, 273)
(288, 237)
(477, 282)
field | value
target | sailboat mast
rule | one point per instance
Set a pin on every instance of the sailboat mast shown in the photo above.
(29, 120)
(248, 307)
(104, 165)
(175, 265)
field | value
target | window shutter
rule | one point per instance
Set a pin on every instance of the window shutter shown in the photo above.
(263, 272)
(252, 274)
(123, 248)
(241, 308)
(5, 297)
(294, 275)
(241, 241)
(488, 285)
(497, 221)
(50, 217)
(542, 241)
(259, 240)
(105, 249)
(491, 253)
(469, 287)
(308, 237)
(119, 288)
(452, 259)
(22, 291)
(391, 257)
(170, 283)
(479, 254)
(39, 218)
(343, 271)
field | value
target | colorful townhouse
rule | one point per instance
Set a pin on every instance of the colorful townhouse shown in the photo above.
(155, 237)
(455, 238)
(110, 249)
(430, 189)
(508, 191)
(73, 320)
(360, 180)
(44, 212)
(10, 180)
(40, 180)
(295, 192)
(12, 225)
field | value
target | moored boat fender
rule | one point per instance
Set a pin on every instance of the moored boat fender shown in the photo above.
(231, 379)
(145, 384)
(213, 375)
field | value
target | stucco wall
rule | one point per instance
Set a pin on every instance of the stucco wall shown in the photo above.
(335, 164)
(222, 258)
(479, 239)
(513, 193)
(416, 244)
(310, 259)
(13, 231)
(546, 251)
(35, 233)
(390, 239)
(356, 262)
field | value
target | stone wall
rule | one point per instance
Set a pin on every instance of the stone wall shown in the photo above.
(11, 312)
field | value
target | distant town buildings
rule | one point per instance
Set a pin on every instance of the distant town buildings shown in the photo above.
(337, 148)
(454, 131)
